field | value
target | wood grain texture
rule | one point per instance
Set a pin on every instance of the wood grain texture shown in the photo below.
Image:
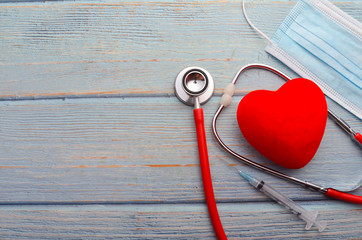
(241, 221)
(139, 149)
(122, 48)
(98, 147)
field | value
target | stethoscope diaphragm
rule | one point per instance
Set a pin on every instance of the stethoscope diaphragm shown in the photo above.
(194, 82)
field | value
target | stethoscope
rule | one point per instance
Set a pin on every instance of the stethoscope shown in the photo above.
(195, 86)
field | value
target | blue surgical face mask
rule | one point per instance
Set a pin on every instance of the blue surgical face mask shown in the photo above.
(322, 43)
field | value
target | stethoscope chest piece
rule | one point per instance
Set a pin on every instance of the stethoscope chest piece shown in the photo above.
(194, 82)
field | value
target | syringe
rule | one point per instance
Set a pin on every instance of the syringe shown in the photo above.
(310, 217)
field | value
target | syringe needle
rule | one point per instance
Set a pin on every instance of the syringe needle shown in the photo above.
(310, 217)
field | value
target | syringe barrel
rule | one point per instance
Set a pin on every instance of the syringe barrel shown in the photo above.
(280, 198)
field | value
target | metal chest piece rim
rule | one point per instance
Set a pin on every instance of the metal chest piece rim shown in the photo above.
(187, 88)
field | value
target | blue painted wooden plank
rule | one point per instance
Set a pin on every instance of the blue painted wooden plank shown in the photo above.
(140, 149)
(181, 221)
(117, 47)
(98, 150)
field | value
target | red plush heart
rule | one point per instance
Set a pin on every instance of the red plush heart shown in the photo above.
(286, 125)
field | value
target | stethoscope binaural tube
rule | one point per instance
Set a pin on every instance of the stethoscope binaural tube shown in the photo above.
(226, 100)
(195, 86)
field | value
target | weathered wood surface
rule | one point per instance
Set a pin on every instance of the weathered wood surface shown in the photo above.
(109, 152)
(138, 149)
(179, 221)
(126, 48)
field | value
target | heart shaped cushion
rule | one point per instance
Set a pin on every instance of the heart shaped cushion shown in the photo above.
(286, 125)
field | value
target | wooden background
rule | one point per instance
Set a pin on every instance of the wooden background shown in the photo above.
(94, 144)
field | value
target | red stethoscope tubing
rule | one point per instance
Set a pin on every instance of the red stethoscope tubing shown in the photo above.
(347, 197)
(206, 175)
(358, 138)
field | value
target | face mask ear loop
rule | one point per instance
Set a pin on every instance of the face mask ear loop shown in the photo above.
(252, 25)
